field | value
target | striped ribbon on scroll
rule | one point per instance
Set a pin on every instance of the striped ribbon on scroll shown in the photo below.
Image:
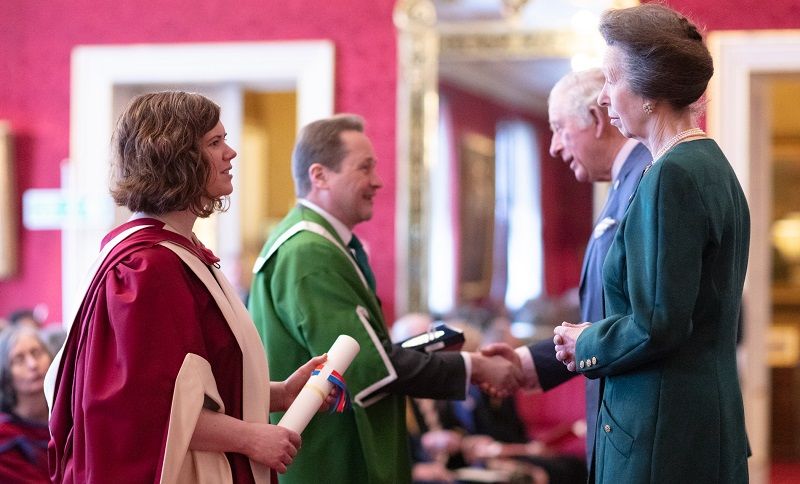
(343, 398)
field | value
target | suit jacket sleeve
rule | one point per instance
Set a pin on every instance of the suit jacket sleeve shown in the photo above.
(428, 375)
(550, 371)
(655, 265)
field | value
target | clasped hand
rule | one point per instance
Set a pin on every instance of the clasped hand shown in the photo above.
(565, 339)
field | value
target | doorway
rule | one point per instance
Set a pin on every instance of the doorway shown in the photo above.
(740, 118)
(783, 351)
(105, 77)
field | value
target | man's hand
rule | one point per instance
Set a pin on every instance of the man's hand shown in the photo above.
(565, 339)
(504, 350)
(496, 375)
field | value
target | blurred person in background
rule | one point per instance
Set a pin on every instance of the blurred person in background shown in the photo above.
(24, 359)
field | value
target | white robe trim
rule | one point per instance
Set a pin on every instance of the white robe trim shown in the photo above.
(367, 396)
(182, 465)
(255, 378)
(311, 227)
(195, 379)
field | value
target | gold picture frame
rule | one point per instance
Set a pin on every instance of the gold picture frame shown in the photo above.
(8, 204)
(476, 217)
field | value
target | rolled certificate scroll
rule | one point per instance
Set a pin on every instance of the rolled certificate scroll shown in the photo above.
(307, 403)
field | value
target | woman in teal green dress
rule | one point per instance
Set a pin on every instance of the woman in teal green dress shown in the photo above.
(671, 407)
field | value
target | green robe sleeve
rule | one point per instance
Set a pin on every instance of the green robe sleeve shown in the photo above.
(321, 306)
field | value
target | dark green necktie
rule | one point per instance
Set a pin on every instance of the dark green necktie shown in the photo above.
(361, 260)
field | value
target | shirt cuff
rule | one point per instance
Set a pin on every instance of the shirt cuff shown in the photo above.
(530, 379)
(467, 371)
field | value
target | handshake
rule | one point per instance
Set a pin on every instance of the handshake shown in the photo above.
(497, 369)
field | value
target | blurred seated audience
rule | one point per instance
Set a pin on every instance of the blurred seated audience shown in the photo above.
(24, 359)
(53, 335)
(24, 316)
(448, 438)
(540, 315)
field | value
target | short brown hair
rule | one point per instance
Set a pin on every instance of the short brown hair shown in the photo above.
(158, 164)
(665, 58)
(321, 142)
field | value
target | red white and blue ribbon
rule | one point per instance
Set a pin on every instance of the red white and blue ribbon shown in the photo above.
(343, 398)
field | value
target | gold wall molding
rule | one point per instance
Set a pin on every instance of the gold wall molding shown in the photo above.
(508, 44)
(417, 120)
(9, 232)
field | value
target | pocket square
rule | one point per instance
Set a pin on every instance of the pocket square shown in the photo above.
(602, 226)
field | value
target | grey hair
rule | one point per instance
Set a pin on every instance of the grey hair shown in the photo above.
(576, 92)
(321, 142)
(8, 340)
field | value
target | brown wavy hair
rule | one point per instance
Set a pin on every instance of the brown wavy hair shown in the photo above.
(158, 164)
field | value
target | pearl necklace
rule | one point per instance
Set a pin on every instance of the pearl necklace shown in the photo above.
(687, 133)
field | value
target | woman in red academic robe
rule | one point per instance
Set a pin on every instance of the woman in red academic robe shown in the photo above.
(163, 377)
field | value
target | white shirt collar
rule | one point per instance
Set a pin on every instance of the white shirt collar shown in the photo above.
(622, 155)
(341, 229)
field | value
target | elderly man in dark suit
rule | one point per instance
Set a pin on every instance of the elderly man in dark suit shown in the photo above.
(596, 152)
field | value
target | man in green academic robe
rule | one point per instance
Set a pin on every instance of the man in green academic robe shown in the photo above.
(312, 283)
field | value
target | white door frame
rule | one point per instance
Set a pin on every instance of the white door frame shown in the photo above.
(304, 66)
(737, 119)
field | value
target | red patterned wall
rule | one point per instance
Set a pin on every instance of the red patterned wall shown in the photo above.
(740, 14)
(37, 36)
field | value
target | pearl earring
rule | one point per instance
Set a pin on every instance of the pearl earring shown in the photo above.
(647, 108)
